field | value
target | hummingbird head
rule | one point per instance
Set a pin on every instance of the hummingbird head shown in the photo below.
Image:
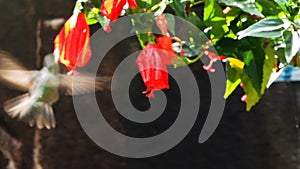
(50, 63)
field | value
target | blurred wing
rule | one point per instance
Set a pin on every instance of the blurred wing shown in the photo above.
(7, 61)
(13, 73)
(84, 83)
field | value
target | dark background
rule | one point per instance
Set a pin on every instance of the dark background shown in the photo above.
(265, 138)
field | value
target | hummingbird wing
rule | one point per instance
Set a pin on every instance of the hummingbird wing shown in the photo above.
(84, 83)
(14, 74)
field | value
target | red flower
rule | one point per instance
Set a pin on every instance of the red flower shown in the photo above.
(153, 69)
(72, 45)
(152, 64)
(165, 43)
(113, 8)
(153, 60)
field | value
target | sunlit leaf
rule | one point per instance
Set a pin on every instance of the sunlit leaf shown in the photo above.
(250, 91)
(233, 80)
(292, 44)
(282, 4)
(236, 63)
(269, 64)
(266, 28)
(215, 19)
(245, 5)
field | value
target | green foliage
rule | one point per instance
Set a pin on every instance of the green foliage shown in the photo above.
(250, 33)
(214, 19)
(233, 80)
(189, 49)
(266, 28)
(268, 66)
(248, 6)
(253, 95)
(292, 45)
(276, 34)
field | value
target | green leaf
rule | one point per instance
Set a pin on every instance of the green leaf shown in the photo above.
(142, 24)
(91, 21)
(209, 10)
(189, 49)
(250, 91)
(250, 52)
(92, 16)
(214, 19)
(245, 5)
(282, 4)
(171, 23)
(269, 64)
(266, 28)
(269, 8)
(292, 42)
(235, 77)
(103, 20)
(195, 20)
(141, 4)
(254, 68)
(297, 21)
(248, 58)
(179, 8)
(233, 80)
(265, 34)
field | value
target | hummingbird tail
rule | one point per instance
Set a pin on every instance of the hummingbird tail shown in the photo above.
(43, 117)
(24, 108)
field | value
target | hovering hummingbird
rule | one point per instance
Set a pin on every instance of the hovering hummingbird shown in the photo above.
(42, 87)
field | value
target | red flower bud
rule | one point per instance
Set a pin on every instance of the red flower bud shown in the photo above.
(213, 58)
(244, 98)
(161, 23)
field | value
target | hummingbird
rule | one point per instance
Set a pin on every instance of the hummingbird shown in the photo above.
(42, 88)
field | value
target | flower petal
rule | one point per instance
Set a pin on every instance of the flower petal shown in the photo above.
(165, 44)
(112, 8)
(152, 69)
(72, 43)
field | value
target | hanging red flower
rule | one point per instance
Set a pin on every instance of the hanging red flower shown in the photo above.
(152, 64)
(153, 69)
(72, 44)
(113, 8)
(153, 60)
